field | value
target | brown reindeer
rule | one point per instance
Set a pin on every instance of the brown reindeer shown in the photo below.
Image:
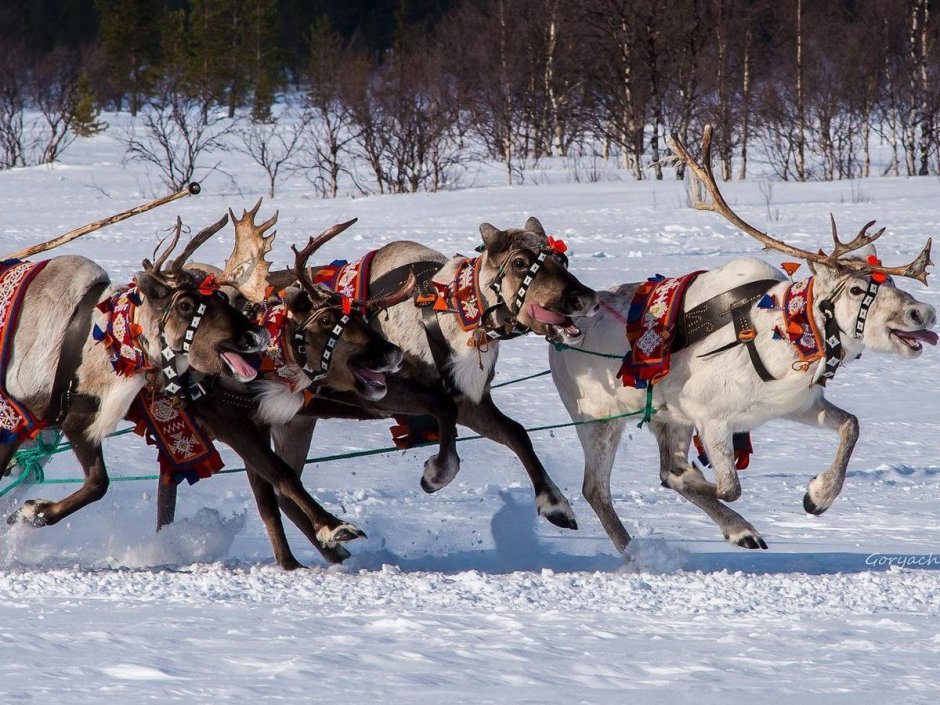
(57, 374)
(523, 285)
(323, 342)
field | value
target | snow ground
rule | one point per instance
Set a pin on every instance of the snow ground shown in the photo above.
(467, 596)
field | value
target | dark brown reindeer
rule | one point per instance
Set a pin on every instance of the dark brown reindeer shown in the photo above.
(55, 373)
(521, 285)
(320, 341)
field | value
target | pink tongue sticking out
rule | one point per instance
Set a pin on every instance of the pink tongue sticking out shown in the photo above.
(545, 316)
(240, 368)
(370, 375)
(927, 336)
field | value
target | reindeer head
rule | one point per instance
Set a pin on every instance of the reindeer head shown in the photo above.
(528, 273)
(893, 320)
(186, 320)
(850, 281)
(341, 350)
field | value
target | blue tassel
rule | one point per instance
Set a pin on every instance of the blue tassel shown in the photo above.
(777, 335)
(656, 278)
(338, 263)
(766, 301)
(97, 333)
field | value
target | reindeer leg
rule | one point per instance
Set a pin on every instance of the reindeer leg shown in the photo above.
(407, 397)
(254, 448)
(44, 512)
(677, 473)
(716, 436)
(825, 487)
(487, 420)
(166, 503)
(291, 443)
(599, 441)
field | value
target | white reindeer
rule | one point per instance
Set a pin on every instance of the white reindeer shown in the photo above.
(855, 306)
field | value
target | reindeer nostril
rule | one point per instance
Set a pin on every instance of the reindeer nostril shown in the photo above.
(917, 318)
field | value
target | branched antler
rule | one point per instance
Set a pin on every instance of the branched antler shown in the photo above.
(196, 242)
(702, 170)
(247, 267)
(315, 243)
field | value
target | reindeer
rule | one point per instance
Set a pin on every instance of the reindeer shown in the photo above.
(57, 374)
(523, 285)
(740, 360)
(320, 341)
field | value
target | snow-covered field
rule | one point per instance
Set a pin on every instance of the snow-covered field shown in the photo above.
(466, 596)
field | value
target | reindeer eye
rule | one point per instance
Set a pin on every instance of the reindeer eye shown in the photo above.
(185, 307)
(856, 291)
(327, 320)
(520, 263)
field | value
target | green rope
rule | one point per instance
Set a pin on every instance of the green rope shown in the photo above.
(561, 347)
(521, 379)
(31, 460)
(361, 453)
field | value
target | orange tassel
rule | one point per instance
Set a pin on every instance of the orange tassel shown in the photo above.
(790, 267)
(440, 304)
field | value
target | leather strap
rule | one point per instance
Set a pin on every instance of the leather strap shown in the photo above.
(709, 316)
(63, 397)
(745, 334)
(440, 350)
(393, 280)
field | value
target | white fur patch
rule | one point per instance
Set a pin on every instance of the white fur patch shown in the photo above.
(467, 373)
(277, 405)
(114, 405)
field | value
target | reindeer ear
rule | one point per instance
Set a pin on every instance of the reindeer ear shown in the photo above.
(534, 226)
(151, 287)
(297, 301)
(869, 251)
(495, 240)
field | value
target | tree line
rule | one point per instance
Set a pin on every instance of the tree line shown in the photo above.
(414, 89)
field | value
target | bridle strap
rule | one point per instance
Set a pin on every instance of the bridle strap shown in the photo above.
(326, 357)
(173, 380)
(867, 300)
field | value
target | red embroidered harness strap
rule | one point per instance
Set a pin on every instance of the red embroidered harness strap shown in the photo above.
(184, 450)
(651, 329)
(16, 421)
(800, 328)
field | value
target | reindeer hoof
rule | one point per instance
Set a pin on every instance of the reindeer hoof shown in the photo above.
(811, 507)
(342, 533)
(746, 538)
(335, 554)
(31, 513)
(556, 510)
(562, 521)
(439, 473)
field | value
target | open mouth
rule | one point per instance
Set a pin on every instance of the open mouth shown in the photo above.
(371, 384)
(914, 339)
(560, 328)
(238, 366)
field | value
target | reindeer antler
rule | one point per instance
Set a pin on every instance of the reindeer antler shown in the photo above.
(196, 242)
(315, 243)
(403, 294)
(247, 267)
(703, 172)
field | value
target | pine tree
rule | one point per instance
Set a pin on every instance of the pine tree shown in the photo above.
(85, 112)
(130, 38)
(263, 60)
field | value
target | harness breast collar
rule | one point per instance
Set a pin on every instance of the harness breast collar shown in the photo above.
(799, 324)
